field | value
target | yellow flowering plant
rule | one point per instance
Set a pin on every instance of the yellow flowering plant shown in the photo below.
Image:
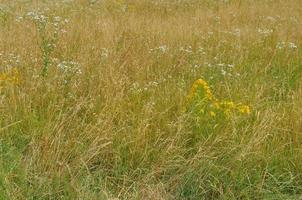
(10, 77)
(202, 101)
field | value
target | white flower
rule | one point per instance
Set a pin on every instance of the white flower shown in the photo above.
(163, 48)
(280, 45)
(70, 67)
(104, 52)
(265, 32)
(292, 45)
(57, 19)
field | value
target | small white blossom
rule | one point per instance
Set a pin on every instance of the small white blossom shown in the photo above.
(265, 32)
(70, 67)
(292, 45)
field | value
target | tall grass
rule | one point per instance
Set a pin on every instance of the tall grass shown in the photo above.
(100, 107)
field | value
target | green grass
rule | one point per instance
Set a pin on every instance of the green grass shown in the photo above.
(101, 109)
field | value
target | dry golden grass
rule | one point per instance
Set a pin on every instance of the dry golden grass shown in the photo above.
(100, 110)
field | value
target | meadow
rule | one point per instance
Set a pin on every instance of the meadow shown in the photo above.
(151, 99)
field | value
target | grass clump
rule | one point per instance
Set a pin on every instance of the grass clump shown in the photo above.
(104, 99)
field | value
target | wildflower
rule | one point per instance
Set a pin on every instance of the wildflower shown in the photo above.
(104, 53)
(280, 45)
(292, 45)
(244, 109)
(57, 19)
(136, 88)
(163, 48)
(12, 77)
(289, 45)
(265, 32)
(212, 114)
(201, 50)
(70, 67)
(203, 85)
(228, 104)
(211, 106)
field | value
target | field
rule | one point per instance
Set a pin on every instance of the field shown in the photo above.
(151, 99)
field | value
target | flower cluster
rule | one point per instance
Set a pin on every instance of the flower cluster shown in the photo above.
(12, 77)
(201, 87)
(70, 67)
(205, 102)
(289, 45)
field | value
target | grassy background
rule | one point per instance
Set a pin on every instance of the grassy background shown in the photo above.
(100, 110)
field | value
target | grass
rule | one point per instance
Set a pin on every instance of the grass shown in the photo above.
(94, 99)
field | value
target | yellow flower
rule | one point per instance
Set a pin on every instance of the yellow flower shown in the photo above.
(15, 78)
(200, 83)
(227, 108)
(244, 109)
(227, 104)
(10, 77)
(212, 114)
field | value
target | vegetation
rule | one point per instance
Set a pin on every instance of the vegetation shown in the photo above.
(150, 99)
